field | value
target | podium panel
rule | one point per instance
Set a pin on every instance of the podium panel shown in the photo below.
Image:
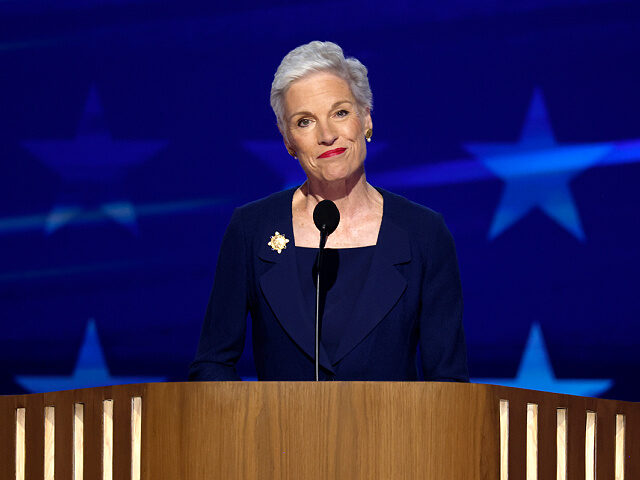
(316, 430)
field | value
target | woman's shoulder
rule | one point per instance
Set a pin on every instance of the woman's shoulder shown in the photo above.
(425, 227)
(275, 203)
(409, 214)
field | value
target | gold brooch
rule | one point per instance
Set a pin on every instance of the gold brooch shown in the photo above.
(278, 242)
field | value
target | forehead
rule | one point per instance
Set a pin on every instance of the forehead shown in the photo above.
(315, 91)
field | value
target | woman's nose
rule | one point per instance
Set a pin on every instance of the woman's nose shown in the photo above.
(326, 134)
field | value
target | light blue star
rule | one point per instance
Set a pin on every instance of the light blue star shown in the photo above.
(91, 370)
(537, 172)
(92, 158)
(275, 156)
(536, 373)
(464, 170)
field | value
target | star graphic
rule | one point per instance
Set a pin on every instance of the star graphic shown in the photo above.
(456, 171)
(537, 172)
(275, 156)
(89, 162)
(90, 371)
(536, 373)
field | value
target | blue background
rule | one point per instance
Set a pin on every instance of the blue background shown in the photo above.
(129, 130)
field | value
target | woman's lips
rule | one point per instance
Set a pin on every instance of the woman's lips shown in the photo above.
(332, 153)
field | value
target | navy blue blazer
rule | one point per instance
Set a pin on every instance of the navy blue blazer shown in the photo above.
(412, 298)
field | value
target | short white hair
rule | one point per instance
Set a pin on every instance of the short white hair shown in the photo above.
(319, 57)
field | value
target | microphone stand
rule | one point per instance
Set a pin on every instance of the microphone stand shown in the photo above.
(323, 242)
(326, 217)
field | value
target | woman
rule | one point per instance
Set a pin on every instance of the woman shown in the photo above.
(391, 274)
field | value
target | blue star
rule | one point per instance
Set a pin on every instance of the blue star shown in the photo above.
(456, 171)
(275, 156)
(92, 158)
(536, 373)
(537, 172)
(90, 371)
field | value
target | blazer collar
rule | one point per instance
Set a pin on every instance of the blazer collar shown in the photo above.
(382, 288)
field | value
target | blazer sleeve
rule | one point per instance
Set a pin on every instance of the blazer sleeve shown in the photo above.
(442, 342)
(224, 327)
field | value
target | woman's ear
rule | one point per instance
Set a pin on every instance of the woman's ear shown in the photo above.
(289, 148)
(291, 151)
(368, 123)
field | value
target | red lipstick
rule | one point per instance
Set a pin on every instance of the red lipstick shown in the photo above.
(332, 153)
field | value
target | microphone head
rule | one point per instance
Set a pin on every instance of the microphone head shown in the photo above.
(326, 217)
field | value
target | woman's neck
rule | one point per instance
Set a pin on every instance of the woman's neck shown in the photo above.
(352, 197)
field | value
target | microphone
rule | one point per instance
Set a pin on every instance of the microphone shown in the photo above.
(326, 216)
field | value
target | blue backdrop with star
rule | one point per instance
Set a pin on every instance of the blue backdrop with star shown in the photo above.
(130, 129)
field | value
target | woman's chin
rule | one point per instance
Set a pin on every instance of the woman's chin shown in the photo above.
(336, 175)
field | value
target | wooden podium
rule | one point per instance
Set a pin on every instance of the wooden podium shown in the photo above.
(308, 430)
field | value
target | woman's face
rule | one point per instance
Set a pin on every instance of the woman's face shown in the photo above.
(324, 127)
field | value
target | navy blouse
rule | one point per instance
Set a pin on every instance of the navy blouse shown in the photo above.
(344, 272)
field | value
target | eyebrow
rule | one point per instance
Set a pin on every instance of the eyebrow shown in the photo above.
(339, 102)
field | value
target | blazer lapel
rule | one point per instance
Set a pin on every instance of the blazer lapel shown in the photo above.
(281, 287)
(383, 287)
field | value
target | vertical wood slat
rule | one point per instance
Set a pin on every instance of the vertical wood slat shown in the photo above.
(78, 441)
(561, 444)
(620, 446)
(107, 440)
(590, 446)
(21, 456)
(532, 441)
(49, 442)
(136, 437)
(504, 439)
